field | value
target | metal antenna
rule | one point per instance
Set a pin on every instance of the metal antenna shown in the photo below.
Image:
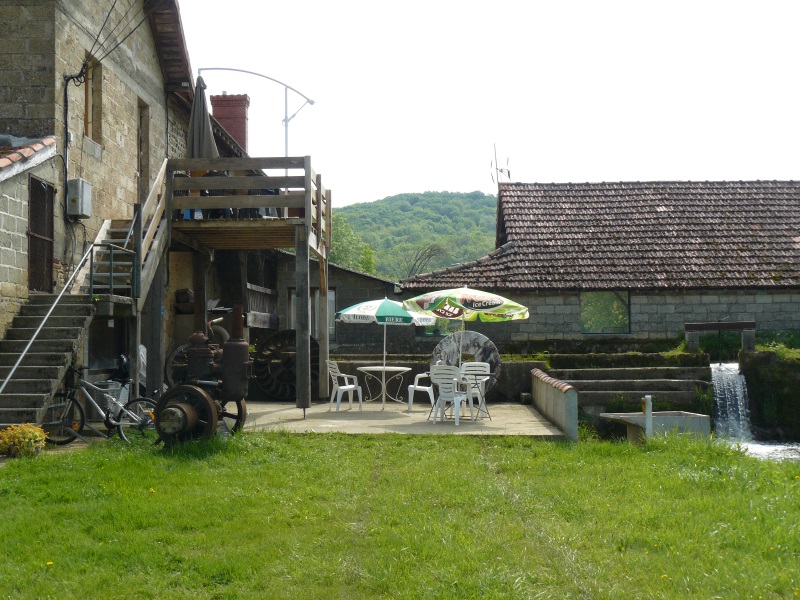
(497, 170)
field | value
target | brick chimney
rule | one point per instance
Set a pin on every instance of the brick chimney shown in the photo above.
(231, 112)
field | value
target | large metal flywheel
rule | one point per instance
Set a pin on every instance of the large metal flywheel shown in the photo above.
(275, 365)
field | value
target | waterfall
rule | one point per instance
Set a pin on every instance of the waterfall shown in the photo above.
(731, 413)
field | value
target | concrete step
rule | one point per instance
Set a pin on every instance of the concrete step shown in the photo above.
(33, 372)
(39, 346)
(632, 373)
(103, 266)
(28, 322)
(47, 333)
(65, 308)
(17, 385)
(22, 400)
(104, 288)
(636, 385)
(602, 398)
(15, 416)
(50, 298)
(9, 359)
(611, 361)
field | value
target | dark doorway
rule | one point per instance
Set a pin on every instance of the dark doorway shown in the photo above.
(40, 235)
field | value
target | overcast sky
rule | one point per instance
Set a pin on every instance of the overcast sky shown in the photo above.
(414, 96)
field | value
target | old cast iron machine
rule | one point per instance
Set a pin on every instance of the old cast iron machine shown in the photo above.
(211, 394)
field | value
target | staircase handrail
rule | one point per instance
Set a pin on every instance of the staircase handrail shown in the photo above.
(87, 256)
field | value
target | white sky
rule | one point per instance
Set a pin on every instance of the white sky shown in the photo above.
(413, 96)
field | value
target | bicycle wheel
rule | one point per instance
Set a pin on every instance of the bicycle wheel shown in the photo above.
(62, 420)
(137, 416)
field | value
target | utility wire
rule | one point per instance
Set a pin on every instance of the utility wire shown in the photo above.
(117, 45)
(120, 22)
(103, 26)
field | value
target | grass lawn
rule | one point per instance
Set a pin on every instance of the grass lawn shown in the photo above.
(277, 515)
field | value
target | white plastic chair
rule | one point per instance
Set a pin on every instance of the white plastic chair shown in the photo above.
(447, 379)
(343, 383)
(418, 386)
(474, 376)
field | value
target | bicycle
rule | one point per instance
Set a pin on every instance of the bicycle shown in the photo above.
(65, 417)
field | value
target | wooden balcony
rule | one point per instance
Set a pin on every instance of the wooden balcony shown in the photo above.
(288, 190)
(298, 216)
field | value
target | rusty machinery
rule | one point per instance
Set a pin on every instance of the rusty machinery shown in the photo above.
(209, 393)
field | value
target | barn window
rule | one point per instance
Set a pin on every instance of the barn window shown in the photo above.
(605, 312)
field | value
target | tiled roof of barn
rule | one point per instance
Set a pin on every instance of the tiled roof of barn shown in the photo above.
(651, 235)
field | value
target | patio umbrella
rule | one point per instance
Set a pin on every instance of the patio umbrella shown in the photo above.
(385, 312)
(200, 140)
(465, 304)
(200, 143)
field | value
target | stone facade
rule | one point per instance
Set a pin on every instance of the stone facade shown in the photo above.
(349, 288)
(656, 316)
(135, 124)
(122, 154)
(14, 240)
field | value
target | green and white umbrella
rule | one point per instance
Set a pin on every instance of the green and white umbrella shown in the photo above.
(466, 304)
(385, 312)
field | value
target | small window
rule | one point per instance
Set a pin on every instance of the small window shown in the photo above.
(605, 312)
(93, 88)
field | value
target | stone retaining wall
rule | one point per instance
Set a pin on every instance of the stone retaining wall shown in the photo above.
(557, 401)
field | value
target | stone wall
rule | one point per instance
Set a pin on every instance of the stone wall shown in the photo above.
(655, 316)
(27, 69)
(14, 240)
(350, 288)
(49, 39)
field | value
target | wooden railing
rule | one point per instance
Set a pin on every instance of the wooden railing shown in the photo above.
(288, 185)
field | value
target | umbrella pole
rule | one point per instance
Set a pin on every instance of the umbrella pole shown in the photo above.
(383, 372)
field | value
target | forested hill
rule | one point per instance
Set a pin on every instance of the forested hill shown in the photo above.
(418, 233)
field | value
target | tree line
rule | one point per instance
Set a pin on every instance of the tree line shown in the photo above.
(404, 235)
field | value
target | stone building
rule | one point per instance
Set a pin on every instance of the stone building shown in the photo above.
(95, 104)
(626, 264)
(91, 104)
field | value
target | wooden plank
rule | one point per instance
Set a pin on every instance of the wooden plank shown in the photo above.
(324, 333)
(190, 242)
(154, 197)
(238, 183)
(81, 277)
(720, 326)
(227, 163)
(302, 321)
(261, 320)
(152, 263)
(289, 201)
(262, 290)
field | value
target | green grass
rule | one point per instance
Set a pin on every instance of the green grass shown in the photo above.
(335, 516)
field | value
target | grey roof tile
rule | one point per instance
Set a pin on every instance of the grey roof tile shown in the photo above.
(638, 235)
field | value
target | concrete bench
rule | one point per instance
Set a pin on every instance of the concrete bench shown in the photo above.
(748, 329)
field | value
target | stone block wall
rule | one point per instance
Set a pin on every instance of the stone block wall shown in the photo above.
(13, 248)
(14, 240)
(350, 288)
(27, 69)
(46, 40)
(654, 316)
(663, 315)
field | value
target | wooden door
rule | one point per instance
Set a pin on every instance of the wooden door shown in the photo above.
(40, 235)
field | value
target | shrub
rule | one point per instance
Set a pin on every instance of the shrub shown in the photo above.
(22, 440)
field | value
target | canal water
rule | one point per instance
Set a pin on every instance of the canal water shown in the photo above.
(732, 416)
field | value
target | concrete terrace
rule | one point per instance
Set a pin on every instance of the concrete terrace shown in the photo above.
(507, 419)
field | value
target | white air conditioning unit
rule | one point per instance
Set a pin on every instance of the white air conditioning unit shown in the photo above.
(79, 199)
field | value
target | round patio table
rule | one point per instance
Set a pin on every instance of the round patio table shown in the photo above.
(380, 373)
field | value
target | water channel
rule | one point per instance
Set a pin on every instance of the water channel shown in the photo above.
(732, 417)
